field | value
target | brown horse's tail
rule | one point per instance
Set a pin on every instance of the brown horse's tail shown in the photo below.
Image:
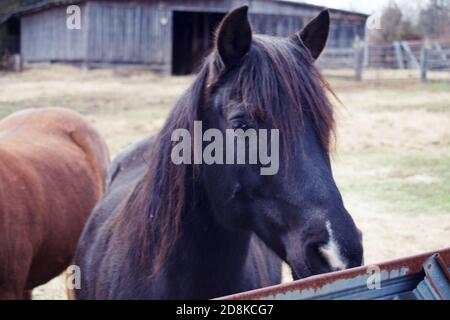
(70, 292)
(96, 151)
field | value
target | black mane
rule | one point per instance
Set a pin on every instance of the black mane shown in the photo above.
(276, 80)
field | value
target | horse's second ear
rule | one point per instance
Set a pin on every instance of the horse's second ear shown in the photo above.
(315, 34)
(234, 36)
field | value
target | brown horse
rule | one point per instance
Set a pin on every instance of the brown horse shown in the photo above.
(52, 169)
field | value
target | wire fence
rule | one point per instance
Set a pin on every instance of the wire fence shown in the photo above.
(422, 60)
(403, 60)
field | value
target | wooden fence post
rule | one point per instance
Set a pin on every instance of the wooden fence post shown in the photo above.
(425, 63)
(359, 63)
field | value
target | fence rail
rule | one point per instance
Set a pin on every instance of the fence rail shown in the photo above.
(425, 60)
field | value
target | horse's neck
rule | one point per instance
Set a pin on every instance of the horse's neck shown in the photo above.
(207, 253)
(202, 237)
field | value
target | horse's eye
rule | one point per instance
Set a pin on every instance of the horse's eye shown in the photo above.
(239, 124)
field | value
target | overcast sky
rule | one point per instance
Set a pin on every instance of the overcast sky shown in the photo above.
(365, 6)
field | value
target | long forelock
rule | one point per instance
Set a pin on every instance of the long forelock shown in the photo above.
(278, 82)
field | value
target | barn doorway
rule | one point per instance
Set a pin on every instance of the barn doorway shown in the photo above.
(192, 39)
(12, 43)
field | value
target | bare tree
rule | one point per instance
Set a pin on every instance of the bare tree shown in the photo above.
(391, 17)
(397, 23)
(434, 20)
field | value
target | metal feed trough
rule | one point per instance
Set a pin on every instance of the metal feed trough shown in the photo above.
(422, 277)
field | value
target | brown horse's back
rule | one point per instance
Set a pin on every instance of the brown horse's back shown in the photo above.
(52, 170)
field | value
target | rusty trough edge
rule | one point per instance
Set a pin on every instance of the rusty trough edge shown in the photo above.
(436, 275)
(399, 267)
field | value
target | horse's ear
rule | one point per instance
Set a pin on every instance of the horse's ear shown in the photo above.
(315, 34)
(234, 36)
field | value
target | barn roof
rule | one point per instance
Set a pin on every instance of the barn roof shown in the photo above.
(308, 5)
(52, 3)
(41, 5)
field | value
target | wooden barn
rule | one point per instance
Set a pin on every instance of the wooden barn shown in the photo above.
(167, 36)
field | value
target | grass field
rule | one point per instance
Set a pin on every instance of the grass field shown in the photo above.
(391, 159)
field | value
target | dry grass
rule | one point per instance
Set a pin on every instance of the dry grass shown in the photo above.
(380, 75)
(391, 161)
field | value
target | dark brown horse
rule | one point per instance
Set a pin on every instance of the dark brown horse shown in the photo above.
(196, 231)
(52, 170)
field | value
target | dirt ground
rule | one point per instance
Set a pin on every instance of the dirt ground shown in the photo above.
(391, 160)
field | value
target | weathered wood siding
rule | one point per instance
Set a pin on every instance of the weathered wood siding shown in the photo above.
(342, 34)
(140, 31)
(46, 38)
(281, 18)
(132, 32)
(276, 25)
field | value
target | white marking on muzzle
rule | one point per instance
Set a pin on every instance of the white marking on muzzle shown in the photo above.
(332, 252)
